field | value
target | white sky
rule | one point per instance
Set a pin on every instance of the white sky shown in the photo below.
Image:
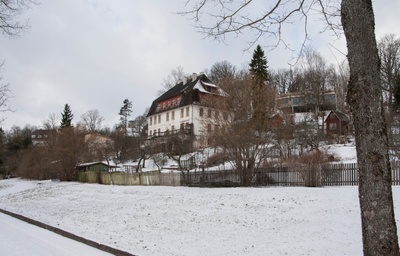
(93, 54)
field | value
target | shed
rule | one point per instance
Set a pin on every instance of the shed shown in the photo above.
(337, 123)
(96, 166)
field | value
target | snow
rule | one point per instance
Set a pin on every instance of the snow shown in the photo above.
(209, 84)
(346, 153)
(20, 238)
(157, 220)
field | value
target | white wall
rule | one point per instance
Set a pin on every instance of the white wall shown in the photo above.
(192, 117)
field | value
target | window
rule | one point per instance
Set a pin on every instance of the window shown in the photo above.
(172, 128)
(155, 133)
(201, 112)
(187, 111)
(33, 136)
(167, 118)
(297, 101)
(209, 128)
(182, 111)
(173, 115)
(216, 114)
(284, 101)
(169, 104)
(159, 118)
(332, 116)
(225, 116)
(209, 113)
(332, 126)
(151, 121)
(150, 132)
(159, 131)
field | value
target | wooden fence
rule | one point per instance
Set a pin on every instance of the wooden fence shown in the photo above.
(119, 178)
(301, 175)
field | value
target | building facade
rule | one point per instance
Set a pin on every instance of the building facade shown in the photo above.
(182, 111)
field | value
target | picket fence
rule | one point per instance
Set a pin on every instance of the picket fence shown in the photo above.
(300, 175)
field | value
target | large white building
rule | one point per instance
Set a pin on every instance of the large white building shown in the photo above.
(181, 110)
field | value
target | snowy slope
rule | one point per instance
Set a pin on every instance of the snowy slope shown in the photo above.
(197, 221)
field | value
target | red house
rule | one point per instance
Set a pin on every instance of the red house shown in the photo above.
(337, 123)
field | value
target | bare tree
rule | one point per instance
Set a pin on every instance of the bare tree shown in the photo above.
(364, 92)
(68, 152)
(389, 53)
(221, 70)
(4, 94)
(159, 160)
(51, 123)
(10, 26)
(365, 99)
(9, 11)
(282, 79)
(171, 80)
(91, 120)
(231, 126)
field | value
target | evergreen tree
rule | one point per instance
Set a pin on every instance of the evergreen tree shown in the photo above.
(66, 117)
(260, 98)
(124, 112)
(258, 65)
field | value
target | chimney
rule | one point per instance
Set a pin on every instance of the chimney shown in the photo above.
(194, 76)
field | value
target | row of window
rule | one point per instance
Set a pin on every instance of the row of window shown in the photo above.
(39, 136)
(168, 104)
(168, 115)
(185, 112)
(216, 113)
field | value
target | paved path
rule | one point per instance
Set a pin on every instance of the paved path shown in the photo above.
(21, 238)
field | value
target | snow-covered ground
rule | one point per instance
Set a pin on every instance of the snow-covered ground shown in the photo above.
(197, 221)
(18, 238)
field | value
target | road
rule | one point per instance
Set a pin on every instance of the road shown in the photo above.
(21, 238)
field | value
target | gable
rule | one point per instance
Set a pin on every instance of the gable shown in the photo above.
(184, 94)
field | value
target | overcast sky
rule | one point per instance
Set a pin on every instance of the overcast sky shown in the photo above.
(93, 54)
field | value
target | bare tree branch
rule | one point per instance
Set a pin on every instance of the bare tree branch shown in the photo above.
(9, 11)
(234, 18)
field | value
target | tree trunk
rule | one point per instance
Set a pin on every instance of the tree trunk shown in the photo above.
(365, 99)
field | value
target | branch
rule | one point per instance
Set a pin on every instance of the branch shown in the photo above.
(231, 17)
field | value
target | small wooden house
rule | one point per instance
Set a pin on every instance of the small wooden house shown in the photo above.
(337, 123)
(96, 166)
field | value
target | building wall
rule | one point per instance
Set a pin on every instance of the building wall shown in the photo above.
(172, 120)
(192, 114)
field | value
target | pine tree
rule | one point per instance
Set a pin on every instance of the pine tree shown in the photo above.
(258, 65)
(66, 117)
(124, 112)
(260, 77)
